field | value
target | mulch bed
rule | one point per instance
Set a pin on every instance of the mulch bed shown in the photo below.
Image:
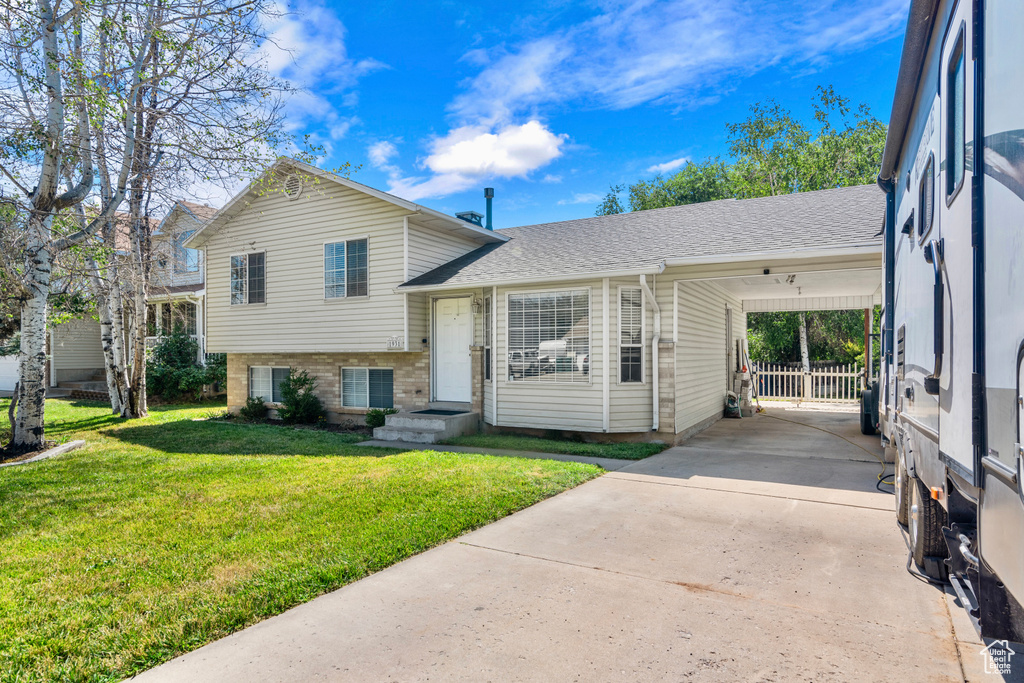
(12, 454)
(350, 427)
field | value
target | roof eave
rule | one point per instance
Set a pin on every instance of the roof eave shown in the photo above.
(854, 249)
(568, 277)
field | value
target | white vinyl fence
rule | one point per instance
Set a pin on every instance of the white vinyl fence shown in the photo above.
(833, 384)
(8, 372)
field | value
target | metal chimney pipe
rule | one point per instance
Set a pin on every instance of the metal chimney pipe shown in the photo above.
(489, 196)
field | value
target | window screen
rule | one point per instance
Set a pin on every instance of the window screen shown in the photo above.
(257, 278)
(185, 260)
(955, 140)
(631, 325)
(345, 269)
(265, 383)
(367, 388)
(549, 336)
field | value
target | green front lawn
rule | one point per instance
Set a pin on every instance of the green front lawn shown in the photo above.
(166, 533)
(622, 451)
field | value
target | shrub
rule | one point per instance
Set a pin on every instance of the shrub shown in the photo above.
(172, 371)
(254, 409)
(299, 405)
(375, 417)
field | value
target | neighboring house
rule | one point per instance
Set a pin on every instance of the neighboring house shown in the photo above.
(176, 294)
(623, 324)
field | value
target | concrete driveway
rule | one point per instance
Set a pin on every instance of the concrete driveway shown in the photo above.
(721, 560)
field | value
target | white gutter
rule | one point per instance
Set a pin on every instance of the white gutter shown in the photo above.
(540, 279)
(654, 352)
(494, 356)
(606, 409)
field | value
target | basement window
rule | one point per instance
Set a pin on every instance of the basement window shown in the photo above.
(346, 271)
(249, 278)
(549, 336)
(631, 334)
(368, 387)
(265, 382)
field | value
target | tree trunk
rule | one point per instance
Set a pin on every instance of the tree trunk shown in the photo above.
(804, 354)
(28, 423)
(137, 335)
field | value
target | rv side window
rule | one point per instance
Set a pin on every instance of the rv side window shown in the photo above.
(901, 336)
(955, 140)
(926, 200)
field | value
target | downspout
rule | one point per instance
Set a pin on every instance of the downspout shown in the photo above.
(494, 356)
(654, 352)
(606, 365)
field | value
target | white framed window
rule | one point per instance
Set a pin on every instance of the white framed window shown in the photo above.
(249, 278)
(631, 334)
(488, 331)
(265, 382)
(368, 387)
(185, 260)
(346, 269)
(549, 336)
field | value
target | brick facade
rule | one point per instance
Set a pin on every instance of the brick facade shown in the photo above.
(411, 376)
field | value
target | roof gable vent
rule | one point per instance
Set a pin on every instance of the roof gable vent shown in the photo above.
(292, 186)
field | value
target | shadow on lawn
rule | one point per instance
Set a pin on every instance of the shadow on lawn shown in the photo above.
(214, 438)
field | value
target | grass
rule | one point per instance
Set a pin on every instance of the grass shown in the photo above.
(512, 442)
(166, 533)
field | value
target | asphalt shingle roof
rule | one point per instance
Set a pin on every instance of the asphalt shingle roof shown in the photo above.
(823, 219)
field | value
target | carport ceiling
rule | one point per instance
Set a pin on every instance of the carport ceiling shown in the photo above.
(835, 289)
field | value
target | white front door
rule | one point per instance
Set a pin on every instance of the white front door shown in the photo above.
(453, 336)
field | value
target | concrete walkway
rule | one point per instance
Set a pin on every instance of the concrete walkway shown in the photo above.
(701, 563)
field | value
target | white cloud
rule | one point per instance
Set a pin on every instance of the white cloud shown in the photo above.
(380, 153)
(551, 179)
(306, 48)
(469, 154)
(668, 165)
(581, 198)
(639, 51)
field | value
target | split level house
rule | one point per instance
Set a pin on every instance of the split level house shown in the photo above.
(620, 325)
(176, 295)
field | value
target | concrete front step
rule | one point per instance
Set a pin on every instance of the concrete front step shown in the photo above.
(56, 392)
(425, 428)
(406, 434)
(451, 405)
(85, 386)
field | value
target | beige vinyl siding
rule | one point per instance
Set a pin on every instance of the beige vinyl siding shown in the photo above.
(631, 408)
(419, 320)
(296, 317)
(429, 249)
(77, 345)
(540, 405)
(701, 367)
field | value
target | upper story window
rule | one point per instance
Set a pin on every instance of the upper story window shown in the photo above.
(956, 86)
(249, 278)
(549, 336)
(926, 200)
(346, 269)
(631, 335)
(185, 260)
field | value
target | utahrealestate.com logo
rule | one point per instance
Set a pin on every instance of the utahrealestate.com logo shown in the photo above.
(997, 656)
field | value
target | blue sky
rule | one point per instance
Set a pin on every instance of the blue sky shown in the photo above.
(552, 102)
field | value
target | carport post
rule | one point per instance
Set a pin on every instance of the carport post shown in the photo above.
(867, 347)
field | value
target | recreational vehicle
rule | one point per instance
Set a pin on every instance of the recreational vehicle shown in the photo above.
(949, 398)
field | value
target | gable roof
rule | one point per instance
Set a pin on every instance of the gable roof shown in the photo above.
(283, 165)
(841, 220)
(200, 212)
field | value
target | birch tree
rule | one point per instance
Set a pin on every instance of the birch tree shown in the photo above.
(78, 123)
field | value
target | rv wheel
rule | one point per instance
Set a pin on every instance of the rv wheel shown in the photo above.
(902, 506)
(925, 526)
(867, 418)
